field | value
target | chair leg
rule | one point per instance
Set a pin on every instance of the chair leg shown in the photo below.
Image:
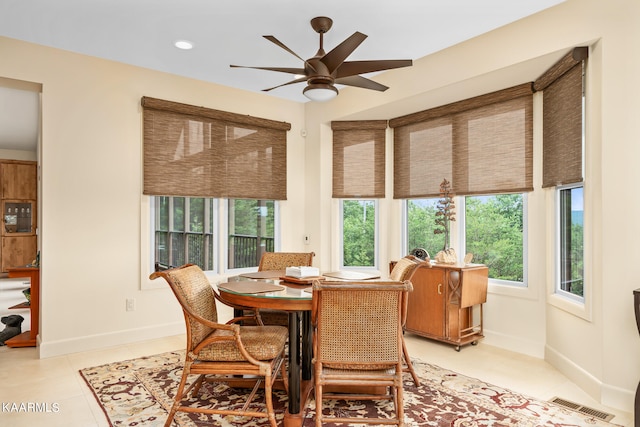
(400, 404)
(179, 394)
(268, 398)
(284, 376)
(197, 385)
(318, 405)
(407, 361)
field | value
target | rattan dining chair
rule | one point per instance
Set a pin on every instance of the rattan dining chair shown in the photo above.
(218, 351)
(358, 347)
(280, 261)
(403, 270)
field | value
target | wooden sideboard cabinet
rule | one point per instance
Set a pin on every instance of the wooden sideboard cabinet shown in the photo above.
(446, 303)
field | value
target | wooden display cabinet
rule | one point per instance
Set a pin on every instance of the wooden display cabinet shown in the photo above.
(19, 241)
(446, 303)
(18, 228)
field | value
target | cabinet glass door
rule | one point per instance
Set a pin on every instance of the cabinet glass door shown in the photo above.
(18, 217)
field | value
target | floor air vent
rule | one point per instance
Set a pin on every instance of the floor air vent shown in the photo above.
(582, 409)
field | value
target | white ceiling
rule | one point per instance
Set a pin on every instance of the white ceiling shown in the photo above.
(224, 32)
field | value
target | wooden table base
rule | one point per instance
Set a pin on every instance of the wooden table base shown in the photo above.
(296, 420)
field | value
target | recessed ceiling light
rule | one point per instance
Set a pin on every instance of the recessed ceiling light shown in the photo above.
(183, 44)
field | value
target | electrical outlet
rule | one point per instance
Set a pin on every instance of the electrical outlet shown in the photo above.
(131, 304)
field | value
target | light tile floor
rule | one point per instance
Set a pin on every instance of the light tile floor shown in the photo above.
(56, 382)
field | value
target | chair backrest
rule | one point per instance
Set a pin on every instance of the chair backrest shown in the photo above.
(359, 324)
(196, 297)
(282, 260)
(403, 269)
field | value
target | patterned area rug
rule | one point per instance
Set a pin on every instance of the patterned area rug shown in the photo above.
(139, 393)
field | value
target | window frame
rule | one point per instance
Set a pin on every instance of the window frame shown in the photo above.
(563, 301)
(558, 291)
(461, 202)
(212, 227)
(219, 228)
(224, 227)
(376, 251)
(405, 225)
(458, 240)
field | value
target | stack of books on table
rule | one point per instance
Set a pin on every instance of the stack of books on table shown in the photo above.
(302, 272)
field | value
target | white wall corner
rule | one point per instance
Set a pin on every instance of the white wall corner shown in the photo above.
(614, 397)
(618, 398)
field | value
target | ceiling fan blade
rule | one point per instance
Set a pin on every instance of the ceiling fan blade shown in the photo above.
(278, 69)
(339, 53)
(351, 68)
(274, 40)
(301, 79)
(363, 82)
(282, 45)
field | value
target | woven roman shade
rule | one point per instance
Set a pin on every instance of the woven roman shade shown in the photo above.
(482, 145)
(358, 159)
(200, 152)
(562, 87)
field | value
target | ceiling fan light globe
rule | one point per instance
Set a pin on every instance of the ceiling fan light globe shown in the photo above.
(320, 92)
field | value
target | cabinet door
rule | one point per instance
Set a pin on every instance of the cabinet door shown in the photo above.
(18, 251)
(19, 181)
(426, 305)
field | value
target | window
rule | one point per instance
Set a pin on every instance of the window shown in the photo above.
(359, 233)
(482, 145)
(564, 99)
(494, 232)
(571, 241)
(202, 156)
(183, 231)
(251, 225)
(420, 217)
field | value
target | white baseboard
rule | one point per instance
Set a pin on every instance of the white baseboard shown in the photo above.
(111, 339)
(618, 398)
(608, 395)
(513, 343)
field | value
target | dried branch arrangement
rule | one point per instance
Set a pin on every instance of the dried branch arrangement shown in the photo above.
(446, 212)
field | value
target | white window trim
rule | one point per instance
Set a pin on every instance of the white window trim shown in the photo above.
(220, 245)
(496, 286)
(223, 207)
(376, 252)
(146, 245)
(580, 307)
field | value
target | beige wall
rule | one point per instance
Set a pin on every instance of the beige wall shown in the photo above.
(596, 345)
(94, 217)
(95, 222)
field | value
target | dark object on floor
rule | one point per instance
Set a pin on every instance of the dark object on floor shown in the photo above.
(13, 328)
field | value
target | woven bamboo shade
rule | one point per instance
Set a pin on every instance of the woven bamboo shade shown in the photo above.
(562, 87)
(482, 145)
(359, 159)
(200, 152)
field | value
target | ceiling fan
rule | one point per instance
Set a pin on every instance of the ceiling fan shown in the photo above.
(324, 70)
